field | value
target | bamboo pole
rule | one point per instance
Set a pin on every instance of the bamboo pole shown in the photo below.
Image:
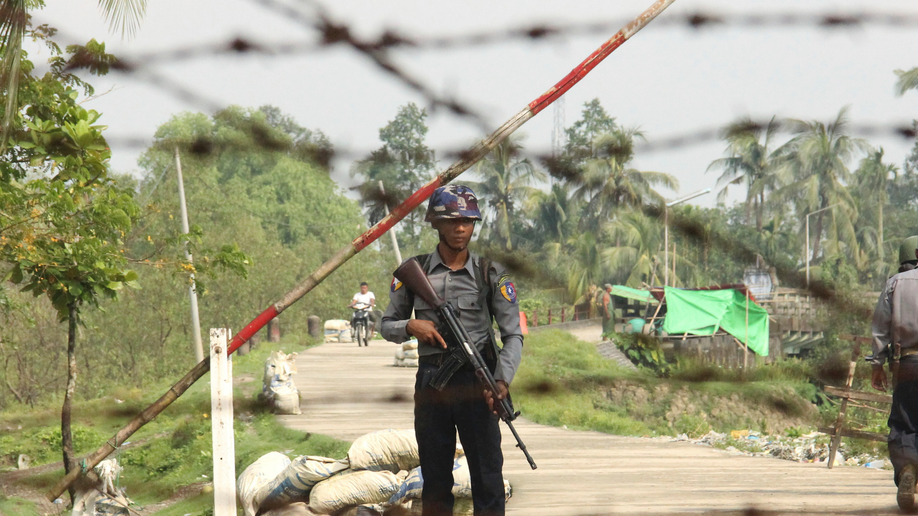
(471, 157)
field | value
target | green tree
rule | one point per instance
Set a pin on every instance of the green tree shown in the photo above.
(815, 173)
(751, 161)
(506, 180)
(608, 182)
(640, 239)
(403, 164)
(15, 26)
(870, 184)
(908, 80)
(63, 217)
(581, 136)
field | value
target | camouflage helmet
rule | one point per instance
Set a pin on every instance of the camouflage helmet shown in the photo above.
(907, 249)
(452, 202)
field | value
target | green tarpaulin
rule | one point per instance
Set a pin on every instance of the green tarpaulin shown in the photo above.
(632, 293)
(702, 312)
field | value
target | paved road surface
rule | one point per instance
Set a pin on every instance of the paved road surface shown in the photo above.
(348, 391)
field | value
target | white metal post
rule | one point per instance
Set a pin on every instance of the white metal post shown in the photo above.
(221, 409)
(192, 290)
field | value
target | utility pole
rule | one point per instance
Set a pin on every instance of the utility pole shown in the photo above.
(192, 291)
(398, 253)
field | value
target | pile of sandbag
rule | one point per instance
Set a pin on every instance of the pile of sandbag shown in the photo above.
(406, 355)
(278, 389)
(337, 330)
(103, 498)
(381, 470)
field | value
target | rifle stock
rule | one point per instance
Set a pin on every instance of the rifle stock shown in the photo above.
(415, 279)
(413, 276)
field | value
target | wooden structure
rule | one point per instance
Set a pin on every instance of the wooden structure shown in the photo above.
(851, 398)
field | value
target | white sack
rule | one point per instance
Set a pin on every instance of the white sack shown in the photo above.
(256, 476)
(297, 479)
(352, 488)
(390, 450)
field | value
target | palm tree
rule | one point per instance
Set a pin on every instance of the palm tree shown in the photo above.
(814, 174)
(553, 212)
(14, 23)
(907, 81)
(750, 161)
(586, 265)
(639, 238)
(608, 183)
(506, 179)
(871, 179)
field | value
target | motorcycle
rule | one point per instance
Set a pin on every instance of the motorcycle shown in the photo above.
(360, 323)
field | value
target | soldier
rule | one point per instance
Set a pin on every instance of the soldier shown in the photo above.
(481, 290)
(895, 338)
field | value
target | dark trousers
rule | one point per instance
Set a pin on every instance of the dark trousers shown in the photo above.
(903, 418)
(437, 417)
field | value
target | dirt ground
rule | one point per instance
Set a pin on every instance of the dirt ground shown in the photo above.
(349, 391)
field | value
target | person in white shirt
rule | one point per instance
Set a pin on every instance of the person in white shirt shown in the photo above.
(364, 297)
(367, 299)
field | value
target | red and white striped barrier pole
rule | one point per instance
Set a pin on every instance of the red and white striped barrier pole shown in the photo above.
(358, 244)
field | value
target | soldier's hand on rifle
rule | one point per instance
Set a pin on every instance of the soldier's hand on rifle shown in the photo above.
(879, 381)
(502, 391)
(425, 331)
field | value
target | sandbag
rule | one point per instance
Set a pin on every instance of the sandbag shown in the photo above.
(408, 362)
(413, 485)
(256, 476)
(410, 344)
(295, 482)
(399, 354)
(278, 388)
(410, 353)
(287, 403)
(337, 324)
(410, 489)
(345, 336)
(352, 488)
(389, 450)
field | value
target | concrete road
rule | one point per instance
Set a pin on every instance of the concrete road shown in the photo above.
(349, 391)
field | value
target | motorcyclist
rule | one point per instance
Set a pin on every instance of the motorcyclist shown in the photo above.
(364, 301)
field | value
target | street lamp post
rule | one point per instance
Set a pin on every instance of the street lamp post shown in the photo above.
(806, 252)
(666, 232)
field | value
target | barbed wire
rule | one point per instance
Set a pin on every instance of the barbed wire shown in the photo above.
(397, 39)
(903, 130)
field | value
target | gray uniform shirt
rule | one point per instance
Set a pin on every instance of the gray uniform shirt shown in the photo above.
(896, 316)
(460, 289)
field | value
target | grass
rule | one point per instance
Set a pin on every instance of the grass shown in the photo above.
(565, 382)
(177, 446)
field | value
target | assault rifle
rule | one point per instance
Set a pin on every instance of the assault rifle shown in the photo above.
(412, 275)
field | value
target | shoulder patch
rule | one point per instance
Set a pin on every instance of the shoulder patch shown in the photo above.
(396, 284)
(508, 290)
(503, 278)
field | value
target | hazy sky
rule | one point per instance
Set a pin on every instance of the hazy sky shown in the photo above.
(668, 80)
